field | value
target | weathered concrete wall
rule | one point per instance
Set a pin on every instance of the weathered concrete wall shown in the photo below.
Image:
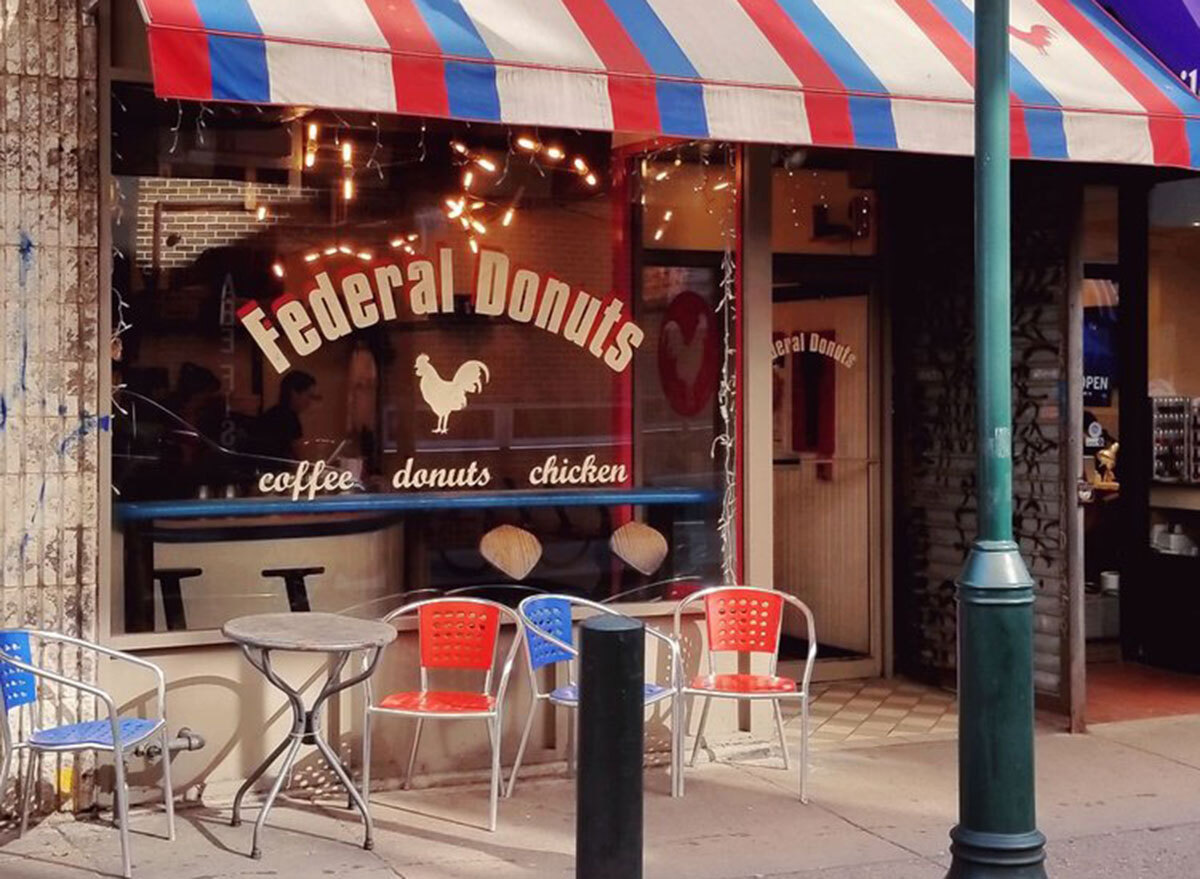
(49, 347)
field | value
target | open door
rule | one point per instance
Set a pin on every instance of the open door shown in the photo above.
(826, 477)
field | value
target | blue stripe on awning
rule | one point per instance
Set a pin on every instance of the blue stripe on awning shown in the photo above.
(1166, 82)
(239, 65)
(239, 69)
(870, 116)
(681, 108)
(680, 104)
(470, 88)
(232, 16)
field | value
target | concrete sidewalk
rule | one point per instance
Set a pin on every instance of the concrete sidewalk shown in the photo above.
(1122, 801)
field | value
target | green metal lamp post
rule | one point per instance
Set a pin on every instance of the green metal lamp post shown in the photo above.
(997, 834)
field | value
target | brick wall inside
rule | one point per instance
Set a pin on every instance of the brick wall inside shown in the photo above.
(198, 231)
(49, 347)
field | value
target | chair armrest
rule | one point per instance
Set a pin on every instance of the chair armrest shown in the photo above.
(518, 643)
(676, 655)
(160, 679)
(65, 681)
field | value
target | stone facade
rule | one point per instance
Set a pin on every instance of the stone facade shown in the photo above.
(50, 403)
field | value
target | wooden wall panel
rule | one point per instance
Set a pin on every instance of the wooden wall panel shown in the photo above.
(822, 550)
(823, 518)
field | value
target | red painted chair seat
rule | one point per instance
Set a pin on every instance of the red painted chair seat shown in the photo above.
(743, 684)
(440, 702)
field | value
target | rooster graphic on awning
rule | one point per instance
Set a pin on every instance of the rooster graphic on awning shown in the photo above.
(1039, 36)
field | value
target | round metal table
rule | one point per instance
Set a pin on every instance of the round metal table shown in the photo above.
(332, 634)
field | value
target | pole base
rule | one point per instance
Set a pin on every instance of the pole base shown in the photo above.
(977, 855)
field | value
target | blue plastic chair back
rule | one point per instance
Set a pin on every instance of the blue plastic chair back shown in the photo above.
(18, 687)
(552, 616)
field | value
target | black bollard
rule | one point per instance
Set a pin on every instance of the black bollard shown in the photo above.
(608, 815)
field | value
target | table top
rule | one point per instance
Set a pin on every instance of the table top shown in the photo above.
(311, 632)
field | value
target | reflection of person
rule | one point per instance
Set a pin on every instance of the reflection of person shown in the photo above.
(197, 399)
(278, 430)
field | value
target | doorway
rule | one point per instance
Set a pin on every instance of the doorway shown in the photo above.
(1141, 517)
(826, 471)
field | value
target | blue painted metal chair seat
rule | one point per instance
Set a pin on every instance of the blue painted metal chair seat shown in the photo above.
(569, 695)
(95, 733)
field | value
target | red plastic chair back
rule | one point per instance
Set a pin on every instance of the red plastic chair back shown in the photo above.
(458, 634)
(744, 620)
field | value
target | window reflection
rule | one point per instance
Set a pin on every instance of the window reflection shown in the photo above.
(315, 307)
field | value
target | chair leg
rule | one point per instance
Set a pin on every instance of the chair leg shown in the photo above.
(804, 750)
(366, 757)
(700, 730)
(782, 738)
(676, 769)
(412, 755)
(516, 767)
(573, 741)
(121, 807)
(5, 767)
(27, 789)
(493, 805)
(168, 790)
(687, 705)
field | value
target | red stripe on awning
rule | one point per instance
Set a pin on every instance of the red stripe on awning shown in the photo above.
(961, 56)
(1168, 130)
(418, 70)
(179, 58)
(634, 99)
(828, 107)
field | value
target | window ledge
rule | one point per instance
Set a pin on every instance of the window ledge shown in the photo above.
(149, 641)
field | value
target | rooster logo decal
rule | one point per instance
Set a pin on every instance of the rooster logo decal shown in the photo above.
(1039, 36)
(444, 397)
(688, 358)
(688, 355)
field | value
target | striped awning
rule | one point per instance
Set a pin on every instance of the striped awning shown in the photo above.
(876, 74)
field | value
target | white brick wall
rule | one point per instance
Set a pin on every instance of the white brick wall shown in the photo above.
(49, 344)
(200, 230)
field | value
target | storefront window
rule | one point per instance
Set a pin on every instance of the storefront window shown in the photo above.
(318, 314)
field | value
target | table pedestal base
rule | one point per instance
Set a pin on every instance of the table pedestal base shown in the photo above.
(305, 731)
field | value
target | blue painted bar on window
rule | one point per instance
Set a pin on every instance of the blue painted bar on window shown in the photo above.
(141, 511)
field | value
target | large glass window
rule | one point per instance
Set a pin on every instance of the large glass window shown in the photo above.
(349, 348)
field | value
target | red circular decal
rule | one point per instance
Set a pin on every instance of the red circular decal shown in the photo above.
(688, 356)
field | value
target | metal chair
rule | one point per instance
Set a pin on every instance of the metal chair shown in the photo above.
(454, 633)
(549, 636)
(19, 683)
(745, 619)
